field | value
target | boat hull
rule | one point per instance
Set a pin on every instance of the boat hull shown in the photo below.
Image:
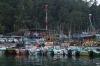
(21, 52)
(86, 53)
(50, 52)
(58, 52)
(96, 54)
(1, 52)
(11, 51)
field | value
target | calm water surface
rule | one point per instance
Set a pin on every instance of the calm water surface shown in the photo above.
(56, 60)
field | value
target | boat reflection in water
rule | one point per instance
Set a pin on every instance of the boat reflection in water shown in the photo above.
(56, 60)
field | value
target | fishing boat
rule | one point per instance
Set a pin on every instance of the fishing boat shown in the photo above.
(87, 43)
(88, 48)
(84, 52)
(38, 40)
(33, 43)
(96, 54)
(97, 50)
(72, 51)
(57, 50)
(10, 50)
(2, 49)
(50, 51)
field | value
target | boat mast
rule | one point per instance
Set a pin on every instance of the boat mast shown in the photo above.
(91, 26)
(46, 8)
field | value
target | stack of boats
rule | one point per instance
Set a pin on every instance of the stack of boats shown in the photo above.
(52, 50)
(56, 50)
(36, 45)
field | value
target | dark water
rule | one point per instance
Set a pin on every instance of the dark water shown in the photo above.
(56, 60)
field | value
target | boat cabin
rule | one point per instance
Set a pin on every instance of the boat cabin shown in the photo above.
(39, 36)
(48, 35)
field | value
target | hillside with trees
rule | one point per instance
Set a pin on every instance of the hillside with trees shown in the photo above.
(16, 15)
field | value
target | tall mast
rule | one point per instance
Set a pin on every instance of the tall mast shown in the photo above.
(46, 8)
(91, 26)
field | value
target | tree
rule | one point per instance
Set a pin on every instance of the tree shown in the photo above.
(2, 29)
(7, 16)
(64, 14)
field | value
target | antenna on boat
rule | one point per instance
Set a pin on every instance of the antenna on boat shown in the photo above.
(46, 8)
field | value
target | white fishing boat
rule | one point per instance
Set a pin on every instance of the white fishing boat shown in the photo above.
(58, 51)
(2, 49)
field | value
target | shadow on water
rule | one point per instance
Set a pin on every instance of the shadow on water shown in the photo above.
(49, 60)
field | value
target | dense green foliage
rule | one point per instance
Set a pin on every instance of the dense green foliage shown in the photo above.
(62, 15)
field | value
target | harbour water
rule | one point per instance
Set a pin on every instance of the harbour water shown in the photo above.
(56, 60)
